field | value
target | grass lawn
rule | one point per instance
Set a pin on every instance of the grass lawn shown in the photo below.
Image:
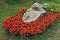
(7, 10)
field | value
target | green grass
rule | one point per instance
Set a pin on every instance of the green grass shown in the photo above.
(7, 10)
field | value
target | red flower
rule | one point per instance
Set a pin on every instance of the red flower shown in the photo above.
(22, 11)
(23, 31)
(7, 23)
(13, 30)
(16, 24)
(32, 32)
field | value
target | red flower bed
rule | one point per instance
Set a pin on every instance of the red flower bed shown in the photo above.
(16, 25)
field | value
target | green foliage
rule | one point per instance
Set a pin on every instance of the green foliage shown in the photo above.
(17, 1)
(49, 8)
(11, 1)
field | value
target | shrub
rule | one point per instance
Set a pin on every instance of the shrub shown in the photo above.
(16, 25)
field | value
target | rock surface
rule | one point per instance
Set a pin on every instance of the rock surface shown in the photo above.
(33, 13)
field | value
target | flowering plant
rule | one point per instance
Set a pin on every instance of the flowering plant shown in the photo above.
(15, 24)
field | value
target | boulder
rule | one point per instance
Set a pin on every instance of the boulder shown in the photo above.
(34, 12)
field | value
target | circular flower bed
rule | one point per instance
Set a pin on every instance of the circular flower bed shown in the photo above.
(15, 24)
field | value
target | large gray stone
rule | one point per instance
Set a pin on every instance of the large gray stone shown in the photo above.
(33, 13)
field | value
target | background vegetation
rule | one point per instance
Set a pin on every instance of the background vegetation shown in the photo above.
(11, 7)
